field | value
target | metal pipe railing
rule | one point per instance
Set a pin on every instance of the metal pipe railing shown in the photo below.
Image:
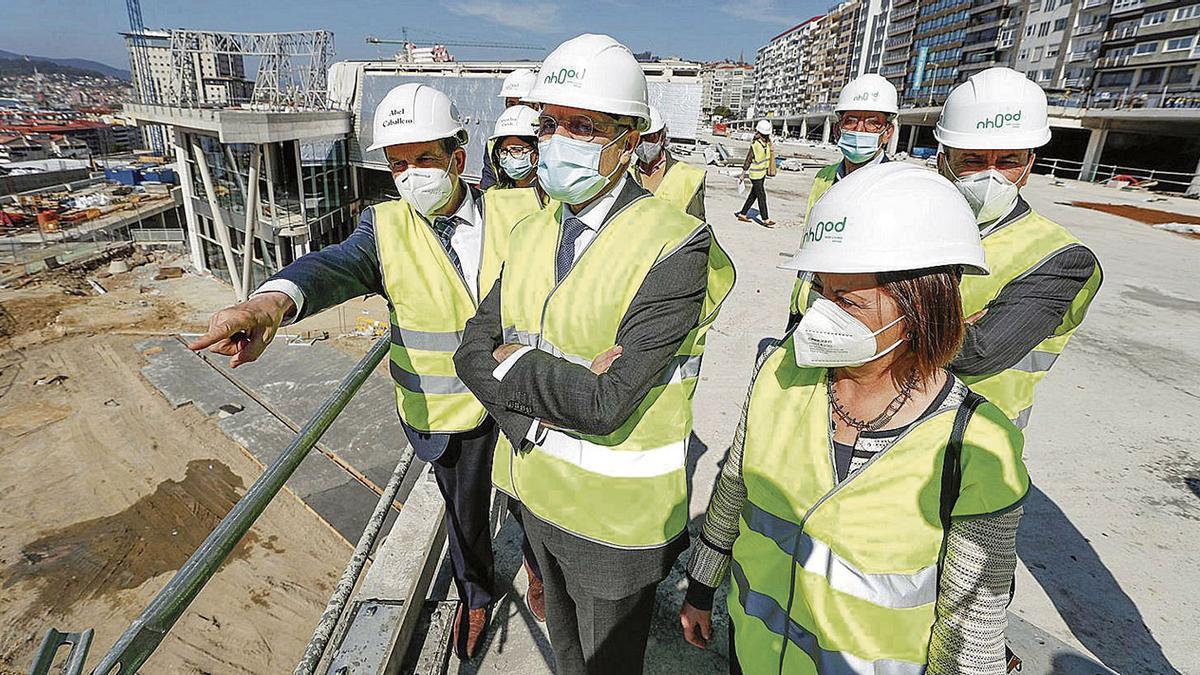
(143, 636)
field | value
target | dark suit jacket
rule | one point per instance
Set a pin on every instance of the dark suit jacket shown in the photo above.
(663, 312)
(351, 269)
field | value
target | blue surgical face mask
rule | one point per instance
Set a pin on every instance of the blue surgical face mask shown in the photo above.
(516, 167)
(858, 146)
(569, 169)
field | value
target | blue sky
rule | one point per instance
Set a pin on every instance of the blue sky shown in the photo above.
(706, 30)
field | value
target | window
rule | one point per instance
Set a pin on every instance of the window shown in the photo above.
(1190, 12)
(1146, 48)
(1034, 5)
(1151, 76)
(1122, 78)
(1060, 24)
(1044, 29)
(1023, 54)
(1029, 31)
(1048, 74)
(1179, 44)
(1037, 53)
(1052, 52)
(1181, 74)
(1049, 6)
(1154, 18)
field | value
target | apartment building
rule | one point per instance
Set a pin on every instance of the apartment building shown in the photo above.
(221, 77)
(894, 63)
(1149, 54)
(782, 68)
(729, 85)
(833, 51)
(1083, 45)
(873, 27)
(991, 37)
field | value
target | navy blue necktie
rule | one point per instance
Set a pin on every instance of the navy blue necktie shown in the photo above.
(443, 227)
(565, 260)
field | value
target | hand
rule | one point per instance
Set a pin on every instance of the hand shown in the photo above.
(244, 331)
(975, 317)
(504, 351)
(742, 176)
(603, 362)
(697, 625)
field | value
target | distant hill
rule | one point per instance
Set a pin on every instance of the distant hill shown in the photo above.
(81, 64)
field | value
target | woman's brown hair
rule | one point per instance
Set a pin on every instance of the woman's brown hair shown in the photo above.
(932, 308)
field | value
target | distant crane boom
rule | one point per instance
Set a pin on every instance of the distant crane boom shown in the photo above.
(449, 43)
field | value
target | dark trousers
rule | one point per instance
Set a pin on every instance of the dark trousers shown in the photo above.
(464, 477)
(599, 599)
(758, 191)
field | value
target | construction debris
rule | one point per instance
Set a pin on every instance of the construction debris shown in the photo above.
(168, 273)
(100, 290)
(56, 379)
(1156, 217)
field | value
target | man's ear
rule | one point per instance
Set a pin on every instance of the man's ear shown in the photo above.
(1028, 170)
(459, 159)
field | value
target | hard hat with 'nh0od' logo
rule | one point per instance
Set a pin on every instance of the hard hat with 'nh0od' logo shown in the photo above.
(997, 109)
(890, 217)
(594, 72)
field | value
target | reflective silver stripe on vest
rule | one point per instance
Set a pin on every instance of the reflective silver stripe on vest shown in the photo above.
(426, 340)
(1035, 362)
(894, 591)
(766, 609)
(1022, 419)
(427, 384)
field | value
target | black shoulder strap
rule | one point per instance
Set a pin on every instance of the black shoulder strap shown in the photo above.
(952, 462)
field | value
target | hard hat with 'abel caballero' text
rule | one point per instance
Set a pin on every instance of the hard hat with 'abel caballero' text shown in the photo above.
(415, 113)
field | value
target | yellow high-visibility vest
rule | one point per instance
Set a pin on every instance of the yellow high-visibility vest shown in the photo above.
(1013, 251)
(680, 184)
(842, 577)
(824, 180)
(627, 488)
(763, 155)
(431, 304)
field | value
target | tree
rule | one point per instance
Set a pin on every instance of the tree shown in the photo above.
(723, 111)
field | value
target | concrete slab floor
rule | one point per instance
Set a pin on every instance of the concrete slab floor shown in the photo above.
(1108, 567)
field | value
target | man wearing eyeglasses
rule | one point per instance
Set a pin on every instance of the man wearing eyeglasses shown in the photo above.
(866, 109)
(588, 349)
(432, 254)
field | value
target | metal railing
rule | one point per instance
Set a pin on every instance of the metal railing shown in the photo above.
(1099, 173)
(142, 637)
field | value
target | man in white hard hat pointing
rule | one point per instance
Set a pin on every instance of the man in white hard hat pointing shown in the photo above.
(1043, 279)
(866, 109)
(593, 338)
(515, 88)
(432, 253)
(658, 171)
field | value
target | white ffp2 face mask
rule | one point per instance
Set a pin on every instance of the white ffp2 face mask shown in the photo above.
(990, 193)
(648, 152)
(427, 190)
(829, 337)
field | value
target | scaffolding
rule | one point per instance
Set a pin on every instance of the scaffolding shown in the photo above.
(291, 71)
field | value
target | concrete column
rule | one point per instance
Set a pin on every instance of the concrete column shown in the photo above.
(803, 127)
(1091, 156)
(894, 141)
(189, 208)
(912, 137)
(825, 129)
(785, 128)
(251, 223)
(1194, 187)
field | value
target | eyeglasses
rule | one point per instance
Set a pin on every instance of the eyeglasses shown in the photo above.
(872, 124)
(580, 127)
(515, 151)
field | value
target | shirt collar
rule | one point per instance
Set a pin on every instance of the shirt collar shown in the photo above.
(468, 210)
(1017, 211)
(596, 213)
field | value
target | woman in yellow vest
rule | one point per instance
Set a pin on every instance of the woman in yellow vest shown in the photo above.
(514, 150)
(658, 171)
(760, 163)
(869, 504)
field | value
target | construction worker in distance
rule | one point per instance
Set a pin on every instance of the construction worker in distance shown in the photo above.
(431, 254)
(866, 108)
(1043, 278)
(760, 163)
(588, 351)
(668, 178)
(515, 88)
(869, 504)
(514, 150)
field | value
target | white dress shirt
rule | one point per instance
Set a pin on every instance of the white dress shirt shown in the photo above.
(467, 242)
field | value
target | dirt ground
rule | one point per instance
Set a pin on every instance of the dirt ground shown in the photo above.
(105, 490)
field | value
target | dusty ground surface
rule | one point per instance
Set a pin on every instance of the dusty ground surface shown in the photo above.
(106, 490)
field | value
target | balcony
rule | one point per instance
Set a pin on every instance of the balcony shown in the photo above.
(1080, 56)
(1113, 61)
(1077, 82)
(1086, 29)
(1090, 4)
(1121, 33)
(1120, 7)
(904, 12)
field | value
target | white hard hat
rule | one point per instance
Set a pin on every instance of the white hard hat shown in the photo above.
(656, 121)
(868, 92)
(763, 127)
(997, 109)
(890, 217)
(593, 72)
(519, 120)
(414, 113)
(518, 84)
